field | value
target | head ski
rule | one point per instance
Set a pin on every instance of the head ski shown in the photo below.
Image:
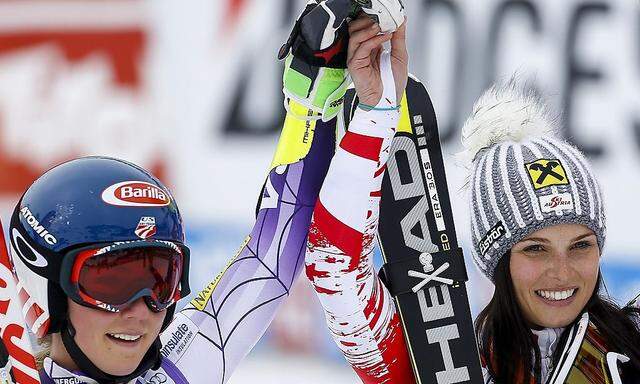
(424, 266)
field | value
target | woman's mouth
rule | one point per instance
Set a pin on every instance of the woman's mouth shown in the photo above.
(557, 296)
(124, 339)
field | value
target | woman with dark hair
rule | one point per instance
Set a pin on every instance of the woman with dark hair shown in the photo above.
(538, 231)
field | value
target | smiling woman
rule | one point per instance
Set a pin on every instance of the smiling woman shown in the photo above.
(538, 227)
(98, 248)
(555, 267)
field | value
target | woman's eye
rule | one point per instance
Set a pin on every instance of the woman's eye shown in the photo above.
(584, 244)
(534, 248)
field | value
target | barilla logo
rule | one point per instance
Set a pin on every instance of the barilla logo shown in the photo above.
(135, 194)
(37, 227)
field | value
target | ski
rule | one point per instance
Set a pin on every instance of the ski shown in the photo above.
(17, 361)
(424, 267)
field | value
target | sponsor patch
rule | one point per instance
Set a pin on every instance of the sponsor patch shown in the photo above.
(146, 227)
(105, 306)
(135, 194)
(201, 299)
(26, 252)
(546, 172)
(158, 378)
(491, 237)
(556, 203)
(177, 338)
(67, 380)
(37, 227)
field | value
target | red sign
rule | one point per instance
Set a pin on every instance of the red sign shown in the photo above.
(112, 32)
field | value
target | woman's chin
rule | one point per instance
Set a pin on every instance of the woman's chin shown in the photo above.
(121, 366)
(555, 319)
(120, 370)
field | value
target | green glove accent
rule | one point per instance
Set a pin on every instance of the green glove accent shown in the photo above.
(319, 89)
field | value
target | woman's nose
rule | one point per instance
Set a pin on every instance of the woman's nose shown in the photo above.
(559, 268)
(137, 309)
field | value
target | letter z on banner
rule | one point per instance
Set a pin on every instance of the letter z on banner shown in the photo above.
(17, 364)
(424, 267)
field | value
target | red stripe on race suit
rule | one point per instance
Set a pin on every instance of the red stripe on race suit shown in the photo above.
(327, 229)
(359, 309)
(380, 171)
(312, 273)
(364, 146)
(374, 304)
(395, 357)
(387, 359)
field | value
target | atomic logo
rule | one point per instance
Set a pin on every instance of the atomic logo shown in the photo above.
(26, 251)
(546, 172)
(37, 227)
(135, 194)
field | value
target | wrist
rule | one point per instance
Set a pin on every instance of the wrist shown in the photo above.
(367, 107)
(369, 98)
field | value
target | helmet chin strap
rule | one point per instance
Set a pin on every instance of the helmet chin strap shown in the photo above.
(151, 360)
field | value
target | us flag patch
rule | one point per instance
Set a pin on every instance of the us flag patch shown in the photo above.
(146, 227)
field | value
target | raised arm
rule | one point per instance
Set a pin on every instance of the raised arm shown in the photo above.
(359, 310)
(212, 334)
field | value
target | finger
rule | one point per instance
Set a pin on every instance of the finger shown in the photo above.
(399, 42)
(361, 22)
(378, 55)
(361, 36)
(364, 50)
(375, 64)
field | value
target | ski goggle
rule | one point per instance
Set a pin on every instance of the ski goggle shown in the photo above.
(113, 276)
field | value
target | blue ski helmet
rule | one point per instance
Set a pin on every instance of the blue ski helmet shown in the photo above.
(84, 202)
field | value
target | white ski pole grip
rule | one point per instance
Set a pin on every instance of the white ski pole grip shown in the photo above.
(388, 99)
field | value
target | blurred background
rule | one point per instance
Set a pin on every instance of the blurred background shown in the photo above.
(191, 90)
